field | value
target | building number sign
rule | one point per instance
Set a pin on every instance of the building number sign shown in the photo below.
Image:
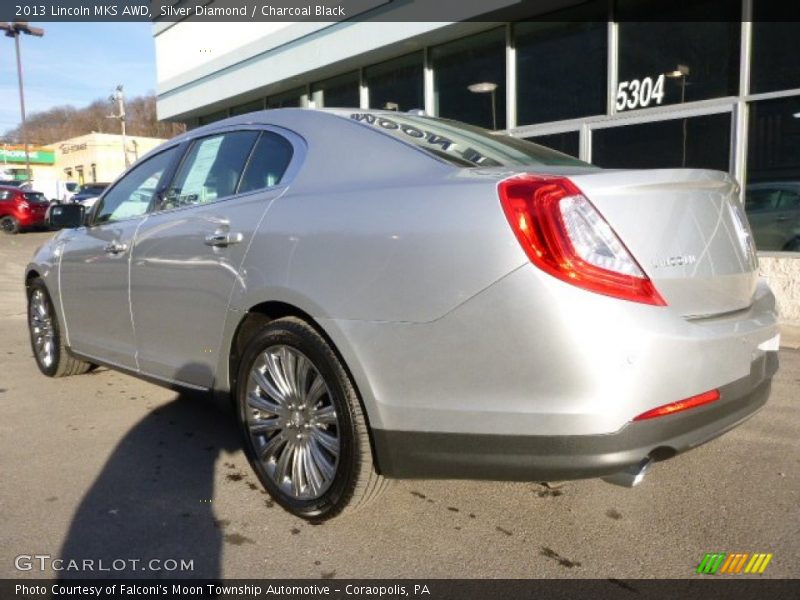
(640, 93)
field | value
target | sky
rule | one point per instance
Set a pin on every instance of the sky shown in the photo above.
(76, 63)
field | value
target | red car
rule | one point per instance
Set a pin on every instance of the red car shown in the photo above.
(21, 209)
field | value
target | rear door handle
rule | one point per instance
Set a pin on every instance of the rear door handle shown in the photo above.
(219, 239)
(116, 247)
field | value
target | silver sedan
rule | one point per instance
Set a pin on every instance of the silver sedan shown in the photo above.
(385, 295)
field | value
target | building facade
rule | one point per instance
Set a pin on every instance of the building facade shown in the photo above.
(41, 159)
(99, 157)
(709, 84)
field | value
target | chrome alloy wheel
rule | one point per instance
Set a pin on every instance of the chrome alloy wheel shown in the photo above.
(42, 332)
(292, 422)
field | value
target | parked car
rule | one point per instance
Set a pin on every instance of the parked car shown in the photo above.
(88, 203)
(89, 190)
(435, 302)
(773, 209)
(21, 209)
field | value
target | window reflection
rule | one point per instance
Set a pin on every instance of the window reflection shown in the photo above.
(772, 195)
(292, 98)
(567, 142)
(396, 84)
(247, 107)
(478, 61)
(776, 47)
(698, 142)
(341, 91)
(691, 54)
(561, 70)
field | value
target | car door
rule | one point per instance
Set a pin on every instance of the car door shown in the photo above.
(188, 252)
(95, 262)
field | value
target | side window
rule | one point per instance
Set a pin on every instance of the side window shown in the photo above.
(5, 194)
(268, 162)
(211, 169)
(132, 194)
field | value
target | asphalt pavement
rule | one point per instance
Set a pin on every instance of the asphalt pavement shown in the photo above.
(105, 467)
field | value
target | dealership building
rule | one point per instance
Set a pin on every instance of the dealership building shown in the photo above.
(708, 84)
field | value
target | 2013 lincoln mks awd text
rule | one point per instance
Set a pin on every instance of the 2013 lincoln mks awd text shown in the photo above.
(388, 295)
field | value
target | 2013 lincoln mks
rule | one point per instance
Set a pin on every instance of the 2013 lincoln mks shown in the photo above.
(388, 295)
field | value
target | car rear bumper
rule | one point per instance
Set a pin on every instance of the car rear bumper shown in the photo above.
(405, 454)
(31, 218)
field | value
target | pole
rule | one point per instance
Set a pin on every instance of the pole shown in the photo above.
(121, 116)
(685, 121)
(22, 109)
(494, 112)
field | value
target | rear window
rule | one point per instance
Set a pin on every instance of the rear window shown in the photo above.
(465, 145)
(34, 197)
(93, 189)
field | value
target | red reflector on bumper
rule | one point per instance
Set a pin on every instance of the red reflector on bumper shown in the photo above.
(680, 405)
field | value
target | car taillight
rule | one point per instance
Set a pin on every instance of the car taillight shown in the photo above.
(563, 234)
(681, 405)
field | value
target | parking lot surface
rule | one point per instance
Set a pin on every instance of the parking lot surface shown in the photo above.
(104, 466)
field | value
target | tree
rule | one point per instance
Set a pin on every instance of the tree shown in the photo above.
(64, 122)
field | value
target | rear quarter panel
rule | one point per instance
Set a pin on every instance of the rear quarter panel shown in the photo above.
(372, 229)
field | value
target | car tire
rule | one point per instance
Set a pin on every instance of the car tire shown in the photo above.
(304, 429)
(9, 225)
(52, 356)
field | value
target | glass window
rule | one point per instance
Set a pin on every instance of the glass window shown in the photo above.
(211, 169)
(341, 91)
(267, 163)
(35, 197)
(776, 47)
(213, 117)
(772, 195)
(396, 84)
(470, 79)
(691, 54)
(292, 98)
(568, 142)
(464, 145)
(131, 195)
(248, 107)
(5, 194)
(561, 69)
(697, 142)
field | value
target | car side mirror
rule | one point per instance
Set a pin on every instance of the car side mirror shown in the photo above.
(66, 216)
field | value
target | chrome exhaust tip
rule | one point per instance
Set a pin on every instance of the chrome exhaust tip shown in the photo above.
(632, 476)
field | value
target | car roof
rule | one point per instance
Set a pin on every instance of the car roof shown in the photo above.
(291, 118)
(311, 124)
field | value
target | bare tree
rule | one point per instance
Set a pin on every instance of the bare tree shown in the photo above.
(64, 122)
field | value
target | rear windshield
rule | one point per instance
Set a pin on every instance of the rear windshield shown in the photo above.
(465, 145)
(93, 189)
(34, 197)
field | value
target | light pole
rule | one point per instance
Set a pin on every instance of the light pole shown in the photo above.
(681, 73)
(118, 98)
(487, 87)
(13, 30)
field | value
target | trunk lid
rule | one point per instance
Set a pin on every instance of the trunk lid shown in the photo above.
(687, 230)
